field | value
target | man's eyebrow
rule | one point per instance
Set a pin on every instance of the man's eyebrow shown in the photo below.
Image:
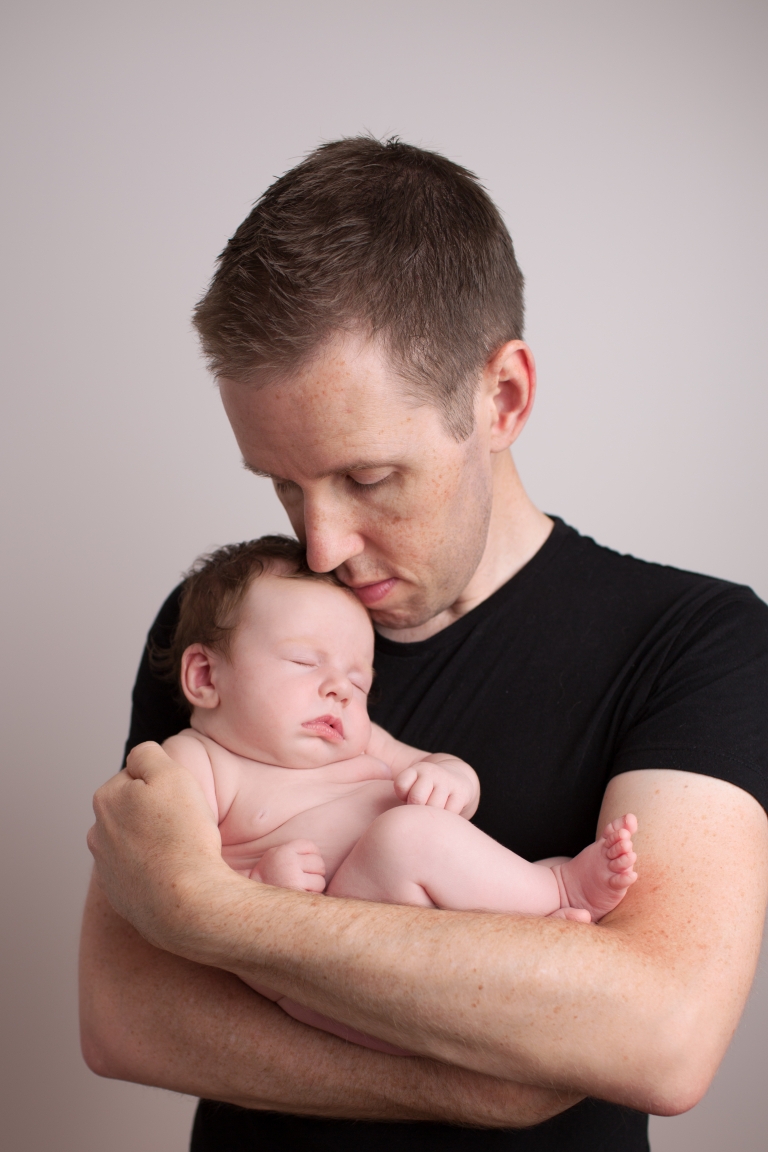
(256, 471)
(354, 466)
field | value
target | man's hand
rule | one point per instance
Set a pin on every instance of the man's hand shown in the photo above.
(440, 781)
(157, 848)
(297, 864)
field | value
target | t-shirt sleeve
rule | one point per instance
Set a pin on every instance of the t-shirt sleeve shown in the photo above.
(706, 707)
(156, 713)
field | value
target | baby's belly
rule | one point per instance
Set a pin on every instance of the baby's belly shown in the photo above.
(335, 827)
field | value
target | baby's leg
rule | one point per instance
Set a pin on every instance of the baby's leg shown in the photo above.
(429, 857)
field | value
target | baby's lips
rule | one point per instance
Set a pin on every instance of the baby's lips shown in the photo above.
(327, 727)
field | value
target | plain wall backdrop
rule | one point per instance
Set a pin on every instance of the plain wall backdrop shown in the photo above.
(624, 143)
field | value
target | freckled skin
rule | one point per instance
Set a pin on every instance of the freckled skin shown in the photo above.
(672, 964)
(376, 487)
(308, 794)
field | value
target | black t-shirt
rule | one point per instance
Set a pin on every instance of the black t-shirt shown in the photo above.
(584, 665)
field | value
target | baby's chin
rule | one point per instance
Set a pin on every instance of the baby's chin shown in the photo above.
(293, 752)
(314, 752)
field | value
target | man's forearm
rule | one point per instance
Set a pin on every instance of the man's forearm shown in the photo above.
(154, 1018)
(638, 1011)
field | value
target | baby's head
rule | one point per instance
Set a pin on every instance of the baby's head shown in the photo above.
(274, 660)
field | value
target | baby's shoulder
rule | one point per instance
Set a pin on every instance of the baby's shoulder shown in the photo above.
(189, 748)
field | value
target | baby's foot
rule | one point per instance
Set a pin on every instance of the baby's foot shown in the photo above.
(579, 914)
(598, 878)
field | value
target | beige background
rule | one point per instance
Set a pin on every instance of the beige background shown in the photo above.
(625, 144)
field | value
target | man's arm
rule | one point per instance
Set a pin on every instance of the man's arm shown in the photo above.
(154, 1018)
(638, 1009)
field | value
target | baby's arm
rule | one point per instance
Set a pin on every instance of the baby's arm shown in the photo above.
(186, 749)
(435, 779)
(297, 864)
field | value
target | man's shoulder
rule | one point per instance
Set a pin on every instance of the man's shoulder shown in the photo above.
(157, 711)
(167, 617)
(605, 577)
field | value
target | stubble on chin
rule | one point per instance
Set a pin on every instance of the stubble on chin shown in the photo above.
(447, 580)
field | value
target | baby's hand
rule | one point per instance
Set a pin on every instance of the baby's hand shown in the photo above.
(297, 864)
(439, 782)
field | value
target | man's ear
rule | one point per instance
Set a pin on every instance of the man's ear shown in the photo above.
(197, 677)
(508, 392)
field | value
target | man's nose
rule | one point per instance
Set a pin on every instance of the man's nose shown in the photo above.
(331, 538)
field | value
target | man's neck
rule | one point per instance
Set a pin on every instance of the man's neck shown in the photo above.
(516, 532)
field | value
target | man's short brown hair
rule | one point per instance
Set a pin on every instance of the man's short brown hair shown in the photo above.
(382, 238)
(214, 589)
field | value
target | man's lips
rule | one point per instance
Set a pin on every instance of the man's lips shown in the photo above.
(370, 594)
(326, 727)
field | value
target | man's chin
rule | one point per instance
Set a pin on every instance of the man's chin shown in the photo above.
(402, 616)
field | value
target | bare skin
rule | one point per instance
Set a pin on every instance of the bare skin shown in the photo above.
(307, 793)
(282, 746)
(510, 999)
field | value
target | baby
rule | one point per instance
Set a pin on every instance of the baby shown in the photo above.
(275, 662)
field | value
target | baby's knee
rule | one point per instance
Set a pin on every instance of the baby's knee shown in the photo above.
(411, 827)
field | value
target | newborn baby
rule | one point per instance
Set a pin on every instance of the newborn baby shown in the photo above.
(275, 662)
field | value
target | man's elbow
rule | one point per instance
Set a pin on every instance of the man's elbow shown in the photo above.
(104, 1042)
(97, 1054)
(679, 1068)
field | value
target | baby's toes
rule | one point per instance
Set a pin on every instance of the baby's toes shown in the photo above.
(618, 848)
(623, 826)
(623, 862)
(622, 879)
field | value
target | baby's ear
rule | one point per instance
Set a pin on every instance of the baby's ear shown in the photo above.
(197, 677)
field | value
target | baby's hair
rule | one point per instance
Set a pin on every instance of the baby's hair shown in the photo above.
(214, 589)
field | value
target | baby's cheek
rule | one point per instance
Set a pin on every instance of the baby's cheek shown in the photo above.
(358, 731)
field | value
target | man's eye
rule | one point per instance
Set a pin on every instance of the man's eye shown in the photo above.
(364, 482)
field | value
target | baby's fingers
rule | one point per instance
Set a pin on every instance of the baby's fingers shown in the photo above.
(313, 883)
(422, 790)
(457, 802)
(302, 846)
(440, 796)
(404, 782)
(312, 862)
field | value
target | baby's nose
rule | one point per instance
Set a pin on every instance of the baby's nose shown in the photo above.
(339, 687)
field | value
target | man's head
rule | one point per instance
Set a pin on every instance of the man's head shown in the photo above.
(364, 326)
(274, 661)
(392, 243)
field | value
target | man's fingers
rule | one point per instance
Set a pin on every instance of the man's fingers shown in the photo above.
(147, 760)
(153, 827)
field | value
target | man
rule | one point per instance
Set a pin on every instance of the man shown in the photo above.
(365, 325)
